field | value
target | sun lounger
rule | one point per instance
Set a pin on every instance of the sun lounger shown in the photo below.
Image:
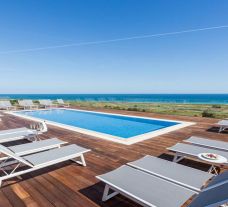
(13, 135)
(41, 160)
(153, 191)
(6, 105)
(186, 150)
(18, 136)
(47, 103)
(15, 130)
(27, 104)
(62, 103)
(143, 188)
(223, 125)
(173, 172)
(33, 147)
(213, 144)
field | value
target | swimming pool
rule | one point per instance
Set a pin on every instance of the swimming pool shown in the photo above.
(120, 128)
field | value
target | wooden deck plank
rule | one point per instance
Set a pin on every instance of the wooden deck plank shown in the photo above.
(68, 184)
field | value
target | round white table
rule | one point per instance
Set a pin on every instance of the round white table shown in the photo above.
(220, 160)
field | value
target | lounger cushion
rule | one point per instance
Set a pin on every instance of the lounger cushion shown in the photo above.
(195, 150)
(223, 123)
(208, 143)
(55, 155)
(147, 189)
(15, 136)
(9, 131)
(174, 172)
(36, 146)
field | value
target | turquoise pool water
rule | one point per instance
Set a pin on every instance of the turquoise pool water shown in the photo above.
(115, 125)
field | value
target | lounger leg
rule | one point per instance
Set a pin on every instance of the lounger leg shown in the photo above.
(106, 196)
(220, 129)
(31, 138)
(82, 162)
(213, 169)
(178, 157)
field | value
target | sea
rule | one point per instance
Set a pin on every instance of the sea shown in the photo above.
(149, 98)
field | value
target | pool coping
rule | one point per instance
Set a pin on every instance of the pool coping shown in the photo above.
(120, 140)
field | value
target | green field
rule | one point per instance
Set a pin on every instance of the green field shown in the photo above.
(198, 110)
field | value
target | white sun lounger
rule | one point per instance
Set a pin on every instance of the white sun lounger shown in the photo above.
(186, 150)
(47, 103)
(27, 104)
(15, 130)
(143, 188)
(62, 103)
(213, 144)
(173, 172)
(43, 159)
(6, 105)
(13, 135)
(33, 147)
(152, 191)
(223, 125)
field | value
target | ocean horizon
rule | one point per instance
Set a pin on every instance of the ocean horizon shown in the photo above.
(150, 98)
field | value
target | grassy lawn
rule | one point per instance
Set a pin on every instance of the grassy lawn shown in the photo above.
(199, 110)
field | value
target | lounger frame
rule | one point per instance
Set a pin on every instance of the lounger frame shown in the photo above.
(110, 187)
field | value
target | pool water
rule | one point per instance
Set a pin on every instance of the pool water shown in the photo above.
(116, 125)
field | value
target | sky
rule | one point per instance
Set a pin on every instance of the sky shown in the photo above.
(68, 60)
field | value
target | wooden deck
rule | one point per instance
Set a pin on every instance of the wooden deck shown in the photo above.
(68, 184)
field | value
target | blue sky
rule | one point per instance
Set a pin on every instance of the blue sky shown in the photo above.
(195, 62)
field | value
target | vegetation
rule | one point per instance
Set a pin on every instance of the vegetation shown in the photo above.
(198, 110)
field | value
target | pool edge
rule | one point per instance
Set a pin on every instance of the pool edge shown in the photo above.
(129, 141)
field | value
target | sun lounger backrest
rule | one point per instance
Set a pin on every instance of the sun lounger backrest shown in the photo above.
(45, 102)
(9, 153)
(6, 103)
(21, 102)
(60, 101)
(223, 122)
(29, 102)
(42, 102)
(49, 102)
(2, 103)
